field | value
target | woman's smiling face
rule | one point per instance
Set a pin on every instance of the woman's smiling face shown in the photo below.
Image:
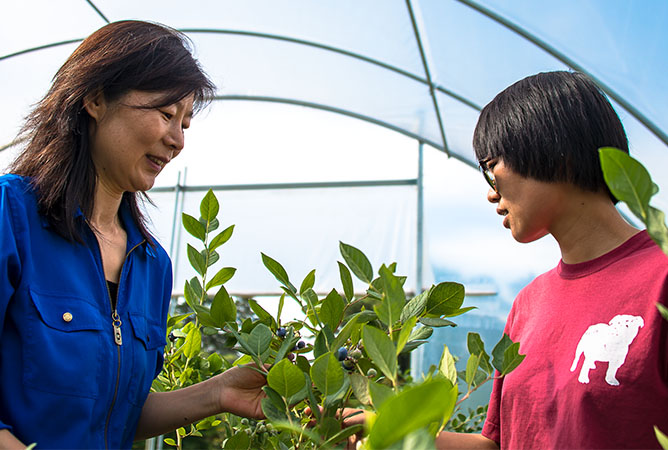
(131, 142)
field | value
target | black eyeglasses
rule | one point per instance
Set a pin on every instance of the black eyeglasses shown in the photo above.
(489, 176)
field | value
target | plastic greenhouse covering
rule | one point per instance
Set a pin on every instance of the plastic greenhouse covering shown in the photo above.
(352, 120)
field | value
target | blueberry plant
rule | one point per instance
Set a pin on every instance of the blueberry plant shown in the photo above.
(346, 351)
(631, 183)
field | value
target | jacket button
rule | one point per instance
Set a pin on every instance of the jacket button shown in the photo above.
(67, 317)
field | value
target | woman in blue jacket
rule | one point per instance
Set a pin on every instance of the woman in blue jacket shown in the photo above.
(84, 287)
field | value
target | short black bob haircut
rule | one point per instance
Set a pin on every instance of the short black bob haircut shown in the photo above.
(549, 127)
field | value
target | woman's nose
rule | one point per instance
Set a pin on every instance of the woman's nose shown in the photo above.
(175, 138)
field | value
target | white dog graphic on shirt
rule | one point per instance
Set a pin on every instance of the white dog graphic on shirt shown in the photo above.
(607, 342)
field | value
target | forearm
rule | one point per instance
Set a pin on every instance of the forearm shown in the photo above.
(449, 440)
(9, 442)
(166, 411)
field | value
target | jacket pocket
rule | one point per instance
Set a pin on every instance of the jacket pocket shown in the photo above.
(63, 346)
(147, 349)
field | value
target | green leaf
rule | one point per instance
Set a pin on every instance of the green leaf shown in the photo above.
(405, 333)
(331, 310)
(313, 403)
(209, 206)
(261, 313)
(215, 362)
(285, 378)
(327, 374)
(213, 225)
(381, 350)
(663, 310)
(342, 435)
(360, 385)
(420, 439)
(627, 179)
(223, 308)
(277, 271)
(193, 226)
(211, 258)
(221, 238)
(173, 320)
(472, 368)
(170, 441)
(436, 322)
(308, 282)
(272, 412)
(445, 298)
(222, 277)
(204, 316)
(421, 333)
(357, 261)
(346, 281)
(323, 342)
(379, 393)
(662, 438)
(414, 408)
(281, 303)
(499, 350)
(412, 345)
(193, 343)
(346, 331)
(312, 300)
(189, 294)
(446, 366)
(238, 441)
(656, 227)
(389, 309)
(477, 346)
(260, 339)
(196, 260)
(416, 306)
(511, 358)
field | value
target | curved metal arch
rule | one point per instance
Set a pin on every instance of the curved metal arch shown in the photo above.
(340, 51)
(40, 47)
(343, 112)
(651, 126)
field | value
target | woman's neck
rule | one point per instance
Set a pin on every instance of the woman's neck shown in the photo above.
(105, 218)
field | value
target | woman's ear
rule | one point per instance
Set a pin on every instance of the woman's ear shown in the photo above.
(95, 105)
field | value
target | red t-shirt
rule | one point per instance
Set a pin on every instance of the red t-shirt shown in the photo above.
(596, 370)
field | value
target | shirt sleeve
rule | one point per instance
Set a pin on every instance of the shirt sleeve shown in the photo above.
(10, 262)
(491, 429)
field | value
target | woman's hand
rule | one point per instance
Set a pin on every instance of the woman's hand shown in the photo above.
(237, 390)
(241, 392)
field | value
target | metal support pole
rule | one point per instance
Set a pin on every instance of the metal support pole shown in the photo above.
(419, 284)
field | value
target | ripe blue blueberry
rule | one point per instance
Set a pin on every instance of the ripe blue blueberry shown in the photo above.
(281, 332)
(342, 353)
(301, 344)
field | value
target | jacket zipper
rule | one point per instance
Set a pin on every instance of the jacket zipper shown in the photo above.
(118, 340)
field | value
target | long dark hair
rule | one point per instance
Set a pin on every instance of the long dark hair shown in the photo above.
(119, 57)
(549, 127)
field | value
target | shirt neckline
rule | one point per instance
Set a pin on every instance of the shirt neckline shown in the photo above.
(582, 269)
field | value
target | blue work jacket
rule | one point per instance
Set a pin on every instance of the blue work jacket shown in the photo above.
(73, 376)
